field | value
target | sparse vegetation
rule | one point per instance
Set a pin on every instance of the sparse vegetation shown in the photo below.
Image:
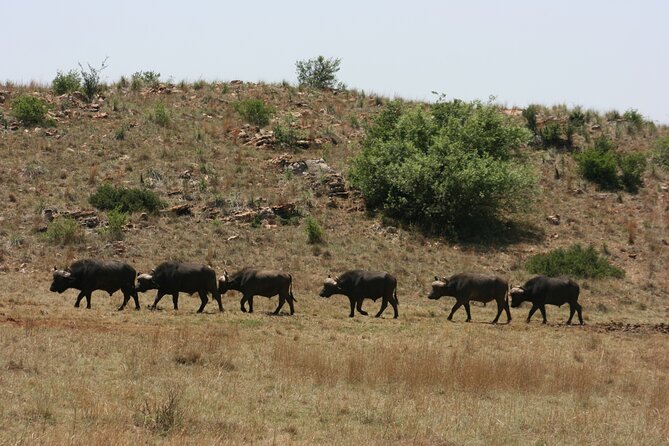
(315, 234)
(574, 261)
(140, 78)
(91, 80)
(661, 153)
(66, 82)
(447, 168)
(29, 110)
(285, 135)
(318, 72)
(64, 231)
(108, 197)
(255, 111)
(116, 220)
(160, 115)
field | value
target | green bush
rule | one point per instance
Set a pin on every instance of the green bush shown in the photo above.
(149, 78)
(632, 167)
(116, 220)
(160, 115)
(314, 231)
(661, 153)
(634, 120)
(285, 135)
(448, 168)
(255, 111)
(574, 261)
(109, 197)
(29, 110)
(64, 231)
(318, 72)
(530, 114)
(610, 170)
(551, 134)
(91, 80)
(66, 82)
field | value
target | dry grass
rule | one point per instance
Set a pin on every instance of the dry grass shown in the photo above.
(101, 376)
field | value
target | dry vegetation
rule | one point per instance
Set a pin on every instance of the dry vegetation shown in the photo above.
(99, 376)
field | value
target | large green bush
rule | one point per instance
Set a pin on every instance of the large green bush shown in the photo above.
(122, 199)
(29, 110)
(574, 261)
(66, 82)
(449, 168)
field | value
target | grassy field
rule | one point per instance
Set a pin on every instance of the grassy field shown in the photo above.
(76, 376)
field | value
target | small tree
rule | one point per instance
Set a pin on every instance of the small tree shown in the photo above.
(91, 79)
(318, 73)
(66, 82)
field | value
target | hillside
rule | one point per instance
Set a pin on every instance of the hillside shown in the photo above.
(236, 197)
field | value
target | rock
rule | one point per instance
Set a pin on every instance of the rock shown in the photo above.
(553, 219)
(144, 216)
(48, 214)
(181, 210)
(186, 174)
(101, 115)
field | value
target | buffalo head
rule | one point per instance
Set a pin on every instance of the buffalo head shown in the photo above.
(62, 280)
(439, 288)
(224, 283)
(330, 287)
(145, 282)
(517, 296)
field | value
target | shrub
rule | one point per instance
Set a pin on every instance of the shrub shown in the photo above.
(29, 110)
(314, 231)
(551, 134)
(318, 72)
(109, 197)
(149, 78)
(610, 170)
(577, 118)
(661, 153)
(530, 114)
(160, 115)
(255, 111)
(64, 231)
(115, 222)
(574, 261)
(632, 167)
(634, 120)
(447, 168)
(66, 82)
(91, 80)
(285, 135)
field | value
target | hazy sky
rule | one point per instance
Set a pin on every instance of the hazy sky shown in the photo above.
(600, 54)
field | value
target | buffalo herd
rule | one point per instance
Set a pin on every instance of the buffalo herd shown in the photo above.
(176, 277)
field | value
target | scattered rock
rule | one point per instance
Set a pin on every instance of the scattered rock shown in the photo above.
(101, 115)
(553, 219)
(180, 210)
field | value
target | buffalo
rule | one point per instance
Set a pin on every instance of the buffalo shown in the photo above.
(358, 285)
(542, 290)
(468, 287)
(259, 282)
(90, 274)
(175, 277)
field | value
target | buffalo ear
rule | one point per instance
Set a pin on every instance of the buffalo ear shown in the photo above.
(329, 277)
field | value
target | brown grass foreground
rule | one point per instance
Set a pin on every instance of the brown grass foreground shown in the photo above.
(102, 377)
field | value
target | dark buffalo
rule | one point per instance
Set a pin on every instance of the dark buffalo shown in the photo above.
(358, 285)
(468, 287)
(175, 277)
(259, 282)
(90, 275)
(542, 291)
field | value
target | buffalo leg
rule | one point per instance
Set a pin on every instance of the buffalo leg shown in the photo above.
(578, 310)
(135, 297)
(88, 300)
(469, 314)
(500, 307)
(79, 297)
(393, 302)
(217, 297)
(384, 304)
(282, 300)
(508, 311)
(175, 300)
(543, 313)
(159, 296)
(242, 303)
(249, 299)
(126, 299)
(453, 310)
(532, 311)
(204, 299)
(352, 302)
(290, 304)
(359, 308)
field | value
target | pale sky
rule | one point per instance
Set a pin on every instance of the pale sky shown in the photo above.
(599, 54)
